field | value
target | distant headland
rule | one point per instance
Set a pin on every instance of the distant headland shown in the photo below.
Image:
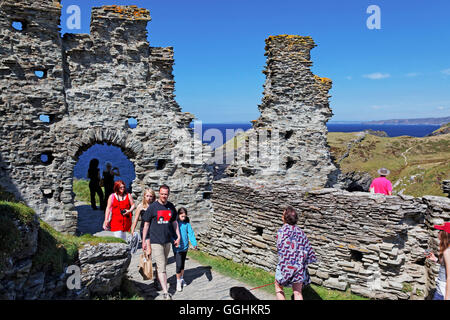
(434, 121)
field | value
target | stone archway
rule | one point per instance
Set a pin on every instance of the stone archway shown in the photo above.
(90, 220)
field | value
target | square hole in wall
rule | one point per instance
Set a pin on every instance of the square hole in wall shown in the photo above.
(356, 255)
(18, 25)
(132, 123)
(259, 230)
(160, 164)
(40, 73)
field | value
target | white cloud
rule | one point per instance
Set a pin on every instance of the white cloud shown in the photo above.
(441, 108)
(446, 72)
(412, 74)
(348, 77)
(377, 76)
(378, 107)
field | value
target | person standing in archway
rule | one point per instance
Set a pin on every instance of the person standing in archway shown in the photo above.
(94, 184)
(118, 213)
(108, 179)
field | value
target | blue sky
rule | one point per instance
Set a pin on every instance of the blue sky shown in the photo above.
(399, 71)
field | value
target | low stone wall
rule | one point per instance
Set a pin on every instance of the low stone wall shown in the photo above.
(369, 243)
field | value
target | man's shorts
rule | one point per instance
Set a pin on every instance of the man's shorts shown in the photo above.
(160, 252)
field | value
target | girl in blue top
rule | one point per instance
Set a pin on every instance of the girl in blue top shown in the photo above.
(186, 235)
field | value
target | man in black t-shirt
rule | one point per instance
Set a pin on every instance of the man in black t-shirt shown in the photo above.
(161, 218)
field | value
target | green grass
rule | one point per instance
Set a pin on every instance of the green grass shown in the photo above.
(255, 277)
(427, 158)
(10, 236)
(55, 249)
(82, 193)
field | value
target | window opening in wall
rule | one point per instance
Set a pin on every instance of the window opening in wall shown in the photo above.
(160, 164)
(46, 157)
(206, 195)
(132, 123)
(18, 25)
(47, 193)
(40, 74)
(356, 255)
(289, 163)
(288, 134)
(259, 230)
(44, 118)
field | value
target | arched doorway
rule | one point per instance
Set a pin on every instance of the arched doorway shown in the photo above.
(90, 220)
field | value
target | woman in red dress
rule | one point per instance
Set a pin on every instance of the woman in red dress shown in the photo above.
(119, 210)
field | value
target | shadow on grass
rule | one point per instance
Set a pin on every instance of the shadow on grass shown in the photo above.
(310, 294)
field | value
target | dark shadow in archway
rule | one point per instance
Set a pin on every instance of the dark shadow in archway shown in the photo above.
(89, 220)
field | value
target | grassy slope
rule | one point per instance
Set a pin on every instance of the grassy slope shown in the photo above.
(418, 165)
(55, 249)
(427, 159)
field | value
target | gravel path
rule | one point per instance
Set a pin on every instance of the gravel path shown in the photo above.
(203, 283)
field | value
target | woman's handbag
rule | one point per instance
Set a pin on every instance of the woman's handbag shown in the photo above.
(146, 266)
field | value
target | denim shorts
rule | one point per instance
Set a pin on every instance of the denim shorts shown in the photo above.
(438, 296)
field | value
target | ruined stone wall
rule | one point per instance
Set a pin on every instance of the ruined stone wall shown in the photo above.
(289, 139)
(93, 84)
(370, 243)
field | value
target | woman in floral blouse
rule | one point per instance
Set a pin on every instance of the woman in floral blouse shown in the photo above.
(294, 255)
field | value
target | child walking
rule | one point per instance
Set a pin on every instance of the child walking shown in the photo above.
(186, 234)
(294, 255)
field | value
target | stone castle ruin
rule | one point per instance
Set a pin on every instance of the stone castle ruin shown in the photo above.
(289, 139)
(89, 85)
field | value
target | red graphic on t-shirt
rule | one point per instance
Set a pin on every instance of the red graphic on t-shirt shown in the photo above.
(163, 216)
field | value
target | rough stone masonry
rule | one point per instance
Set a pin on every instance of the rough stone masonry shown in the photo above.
(289, 139)
(369, 243)
(89, 85)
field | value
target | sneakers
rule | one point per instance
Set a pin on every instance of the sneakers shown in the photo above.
(183, 283)
(179, 286)
(166, 296)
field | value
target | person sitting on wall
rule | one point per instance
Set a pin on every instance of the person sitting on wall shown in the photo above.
(108, 179)
(381, 184)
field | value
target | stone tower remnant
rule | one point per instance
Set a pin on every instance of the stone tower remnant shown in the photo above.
(289, 139)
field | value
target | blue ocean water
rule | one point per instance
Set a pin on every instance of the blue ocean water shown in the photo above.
(114, 154)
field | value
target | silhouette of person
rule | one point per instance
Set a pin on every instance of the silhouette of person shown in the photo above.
(94, 184)
(108, 179)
